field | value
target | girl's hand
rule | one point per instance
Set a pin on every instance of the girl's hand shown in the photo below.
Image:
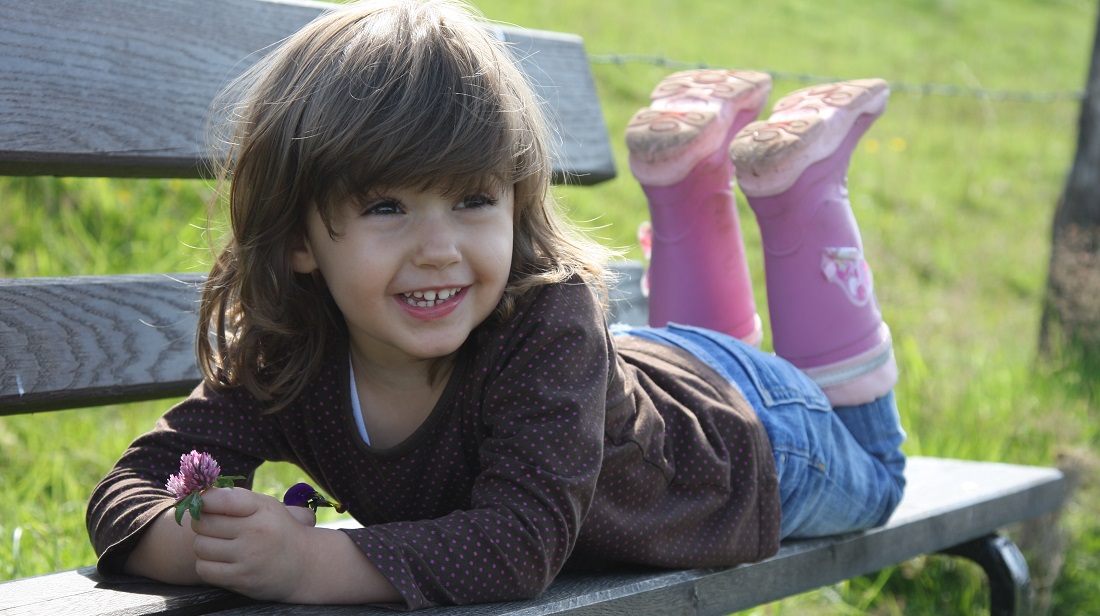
(253, 544)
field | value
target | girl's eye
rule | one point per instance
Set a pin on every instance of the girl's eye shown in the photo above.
(476, 201)
(382, 207)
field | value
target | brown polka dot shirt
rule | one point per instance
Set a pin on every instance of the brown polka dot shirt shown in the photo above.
(552, 442)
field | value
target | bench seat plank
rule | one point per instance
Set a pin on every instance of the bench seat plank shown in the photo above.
(121, 88)
(948, 502)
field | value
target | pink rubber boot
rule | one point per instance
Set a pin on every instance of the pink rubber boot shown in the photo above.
(793, 169)
(679, 153)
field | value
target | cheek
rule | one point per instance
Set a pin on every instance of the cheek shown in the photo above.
(350, 279)
(503, 249)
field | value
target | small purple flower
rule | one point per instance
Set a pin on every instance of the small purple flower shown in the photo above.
(198, 472)
(305, 495)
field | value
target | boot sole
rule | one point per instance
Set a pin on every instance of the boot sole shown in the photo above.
(805, 127)
(692, 114)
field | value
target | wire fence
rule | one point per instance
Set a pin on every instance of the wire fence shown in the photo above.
(929, 89)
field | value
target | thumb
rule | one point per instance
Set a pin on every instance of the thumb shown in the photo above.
(304, 515)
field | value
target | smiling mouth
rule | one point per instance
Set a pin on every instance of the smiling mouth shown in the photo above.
(428, 299)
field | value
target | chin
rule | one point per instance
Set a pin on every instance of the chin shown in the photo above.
(437, 351)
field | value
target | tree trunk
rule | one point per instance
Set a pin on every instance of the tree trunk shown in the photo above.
(1071, 312)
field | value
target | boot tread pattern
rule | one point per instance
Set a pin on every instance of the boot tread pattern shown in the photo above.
(686, 104)
(798, 120)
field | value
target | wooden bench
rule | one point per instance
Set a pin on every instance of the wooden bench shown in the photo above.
(120, 88)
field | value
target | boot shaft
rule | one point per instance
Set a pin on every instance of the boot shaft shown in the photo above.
(678, 146)
(793, 170)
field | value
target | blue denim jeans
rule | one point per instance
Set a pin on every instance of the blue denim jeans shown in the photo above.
(840, 469)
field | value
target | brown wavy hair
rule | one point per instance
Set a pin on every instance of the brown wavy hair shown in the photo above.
(391, 93)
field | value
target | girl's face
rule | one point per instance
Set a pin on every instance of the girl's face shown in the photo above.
(413, 272)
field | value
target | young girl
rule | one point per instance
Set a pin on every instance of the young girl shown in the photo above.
(402, 312)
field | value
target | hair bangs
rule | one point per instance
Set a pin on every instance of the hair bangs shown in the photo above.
(419, 108)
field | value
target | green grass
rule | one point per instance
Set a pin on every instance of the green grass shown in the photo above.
(954, 194)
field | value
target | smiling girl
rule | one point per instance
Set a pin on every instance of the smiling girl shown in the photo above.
(402, 312)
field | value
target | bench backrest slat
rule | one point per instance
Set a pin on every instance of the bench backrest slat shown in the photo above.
(92, 340)
(122, 88)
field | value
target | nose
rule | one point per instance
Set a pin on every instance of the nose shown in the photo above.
(437, 242)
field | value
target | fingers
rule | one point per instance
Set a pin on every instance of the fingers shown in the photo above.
(256, 554)
(222, 567)
(229, 512)
(222, 511)
(216, 572)
(237, 502)
(216, 549)
(235, 521)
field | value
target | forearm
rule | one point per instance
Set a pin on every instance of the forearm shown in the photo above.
(339, 572)
(165, 552)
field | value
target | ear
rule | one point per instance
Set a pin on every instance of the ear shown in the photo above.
(301, 255)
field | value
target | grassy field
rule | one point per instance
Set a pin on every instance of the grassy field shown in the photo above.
(954, 190)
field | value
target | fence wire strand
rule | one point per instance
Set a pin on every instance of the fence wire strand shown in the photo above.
(923, 89)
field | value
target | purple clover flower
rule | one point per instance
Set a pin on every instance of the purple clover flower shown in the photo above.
(198, 471)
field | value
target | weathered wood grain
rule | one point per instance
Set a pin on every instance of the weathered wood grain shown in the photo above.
(89, 340)
(123, 87)
(948, 502)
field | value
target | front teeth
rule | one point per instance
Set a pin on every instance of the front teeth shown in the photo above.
(426, 299)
